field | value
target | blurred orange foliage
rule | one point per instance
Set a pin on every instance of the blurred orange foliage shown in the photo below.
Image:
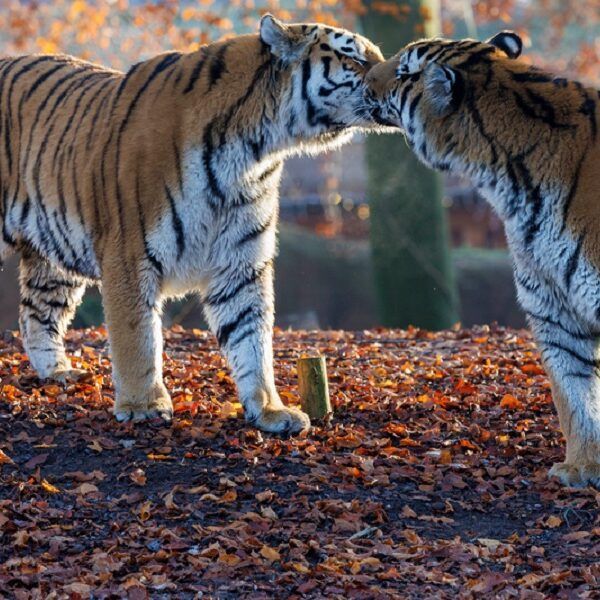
(121, 32)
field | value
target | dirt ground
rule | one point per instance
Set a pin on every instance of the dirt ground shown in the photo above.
(429, 481)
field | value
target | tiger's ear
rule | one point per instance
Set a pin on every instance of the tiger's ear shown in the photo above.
(509, 42)
(444, 87)
(283, 43)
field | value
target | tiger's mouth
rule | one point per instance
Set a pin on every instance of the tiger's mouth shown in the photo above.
(377, 116)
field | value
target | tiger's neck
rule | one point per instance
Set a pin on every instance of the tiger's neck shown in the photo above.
(240, 98)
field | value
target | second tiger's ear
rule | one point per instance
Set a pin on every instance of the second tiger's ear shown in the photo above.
(283, 42)
(509, 42)
(444, 87)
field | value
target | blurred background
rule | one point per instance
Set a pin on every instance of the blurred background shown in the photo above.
(368, 236)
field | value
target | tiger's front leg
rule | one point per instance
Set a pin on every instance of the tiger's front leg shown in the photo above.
(239, 308)
(570, 357)
(131, 306)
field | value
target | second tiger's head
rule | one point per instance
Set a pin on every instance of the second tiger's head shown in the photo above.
(434, 90)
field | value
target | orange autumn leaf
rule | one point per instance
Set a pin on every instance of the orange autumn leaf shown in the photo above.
(5, 459)
(510, 402)
(270, 553)
(48, 487)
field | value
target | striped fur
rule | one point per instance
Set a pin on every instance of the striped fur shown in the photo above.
(530, 142)
(164, 180)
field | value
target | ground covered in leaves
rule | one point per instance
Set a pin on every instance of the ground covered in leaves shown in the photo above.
(429, 480)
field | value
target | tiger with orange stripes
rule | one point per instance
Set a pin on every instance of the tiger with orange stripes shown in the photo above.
(529, 141)
(164, 180)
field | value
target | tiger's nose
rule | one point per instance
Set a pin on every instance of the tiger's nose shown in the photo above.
(380, 77)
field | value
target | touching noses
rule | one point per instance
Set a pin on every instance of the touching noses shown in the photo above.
(381, 76)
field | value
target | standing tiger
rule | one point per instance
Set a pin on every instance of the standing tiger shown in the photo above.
(529, 141)
(164, 180)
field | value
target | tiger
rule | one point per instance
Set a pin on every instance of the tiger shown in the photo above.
(528, 140)
(163, 180)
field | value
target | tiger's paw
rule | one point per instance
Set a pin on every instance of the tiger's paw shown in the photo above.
(285, 421)
(577, 475)
(158, 408)
(68, 374)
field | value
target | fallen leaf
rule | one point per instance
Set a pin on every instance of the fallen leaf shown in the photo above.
(270, 553)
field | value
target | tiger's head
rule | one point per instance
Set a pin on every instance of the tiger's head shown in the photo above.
(455, 95)
(326, 69)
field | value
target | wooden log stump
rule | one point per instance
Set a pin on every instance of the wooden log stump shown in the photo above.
(313, 386)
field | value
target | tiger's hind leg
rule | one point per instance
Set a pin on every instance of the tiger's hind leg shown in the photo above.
(49, 297)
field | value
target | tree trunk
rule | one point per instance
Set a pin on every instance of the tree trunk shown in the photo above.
(409, 234)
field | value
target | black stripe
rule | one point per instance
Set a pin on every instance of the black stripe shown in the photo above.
(50, 285)
(421, 50)
(167, 60)
(8, 109)
(149, 254)
(222, 122)
(436, 53)
(404, 95)
(578, 374)
(413, 105)
(513, 201)
(177, 224)
(74, 74)
(224, 332)
(36, 119)
(226, 296)
(48, 323)
(177, 156)
(5, 235)
(475, 114)
(159, 68)
(55, 303)
(258, 231)
(588, 108)
(45, 227)
(60, 149)
(43, 78)
(197, 71)
(574, 334)
(207, 154)
(526, 284)
(217, 66)
(574, 261)
(454, 49)
(97, 224)
(306, 70)
(126, 79)
(547, 115)
(572, 192)
(532, 76)
(475, 58)
(582, 359)
(91, 133)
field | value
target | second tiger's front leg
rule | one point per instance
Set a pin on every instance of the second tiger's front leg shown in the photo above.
(239, 309)
(570, 355)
